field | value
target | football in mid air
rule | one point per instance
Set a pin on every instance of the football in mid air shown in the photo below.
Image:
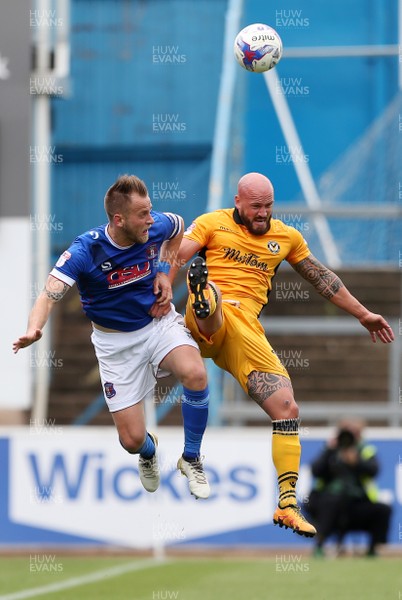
(258, 48)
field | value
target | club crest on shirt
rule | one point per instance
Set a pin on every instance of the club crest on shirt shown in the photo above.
(273, 247)
(110, 392)
(152, 251)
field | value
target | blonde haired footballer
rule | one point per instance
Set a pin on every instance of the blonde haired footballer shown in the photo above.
(120, 269)
(241, 249)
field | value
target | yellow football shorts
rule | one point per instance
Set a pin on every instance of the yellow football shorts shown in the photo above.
(239, 346)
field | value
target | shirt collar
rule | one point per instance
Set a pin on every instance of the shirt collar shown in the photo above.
(237, 218)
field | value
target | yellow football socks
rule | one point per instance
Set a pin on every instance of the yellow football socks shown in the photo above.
(286, 451)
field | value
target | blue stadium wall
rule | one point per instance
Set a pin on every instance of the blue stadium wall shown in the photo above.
(332, 100)
(144, 88)
(144, 85)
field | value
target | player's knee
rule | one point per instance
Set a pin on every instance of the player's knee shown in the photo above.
(131, 442)
(195, 377)
(290, 408)
(285, 407)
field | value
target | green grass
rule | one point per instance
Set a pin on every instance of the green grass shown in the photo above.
(284, 577)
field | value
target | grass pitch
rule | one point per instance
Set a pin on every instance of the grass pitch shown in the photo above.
(283, 576)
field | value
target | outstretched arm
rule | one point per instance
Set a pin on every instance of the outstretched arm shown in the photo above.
(53, 291)
(330, 286)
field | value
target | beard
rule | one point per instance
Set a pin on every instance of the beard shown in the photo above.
(257, 228)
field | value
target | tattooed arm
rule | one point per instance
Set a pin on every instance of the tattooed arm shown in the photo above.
(329, 285)
(325, 281)
(53, 291)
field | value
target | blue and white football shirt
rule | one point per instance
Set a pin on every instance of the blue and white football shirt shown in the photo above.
(115, 282)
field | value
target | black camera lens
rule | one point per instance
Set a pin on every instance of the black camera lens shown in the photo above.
(345, 439)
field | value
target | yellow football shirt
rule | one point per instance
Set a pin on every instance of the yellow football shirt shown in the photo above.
(243, 264)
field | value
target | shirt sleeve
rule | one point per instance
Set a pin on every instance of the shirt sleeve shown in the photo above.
(201, 229)
(173, 223)
(71, 264)
(299, 250)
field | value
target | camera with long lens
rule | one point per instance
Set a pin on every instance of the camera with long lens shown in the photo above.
(345, 439)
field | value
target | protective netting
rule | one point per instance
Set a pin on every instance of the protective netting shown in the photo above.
(368, 173)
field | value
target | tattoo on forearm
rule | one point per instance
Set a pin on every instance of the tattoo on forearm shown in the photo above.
(323, 279)
(56, 295)
(262, 385)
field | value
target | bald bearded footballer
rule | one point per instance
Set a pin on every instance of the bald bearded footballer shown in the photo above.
(240, 250)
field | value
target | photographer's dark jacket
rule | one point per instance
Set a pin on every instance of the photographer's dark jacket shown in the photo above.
(337, 477)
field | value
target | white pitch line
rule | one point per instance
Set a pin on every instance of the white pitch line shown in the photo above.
(84, 579)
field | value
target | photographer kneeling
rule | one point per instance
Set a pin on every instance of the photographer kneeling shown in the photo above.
(345, 497)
